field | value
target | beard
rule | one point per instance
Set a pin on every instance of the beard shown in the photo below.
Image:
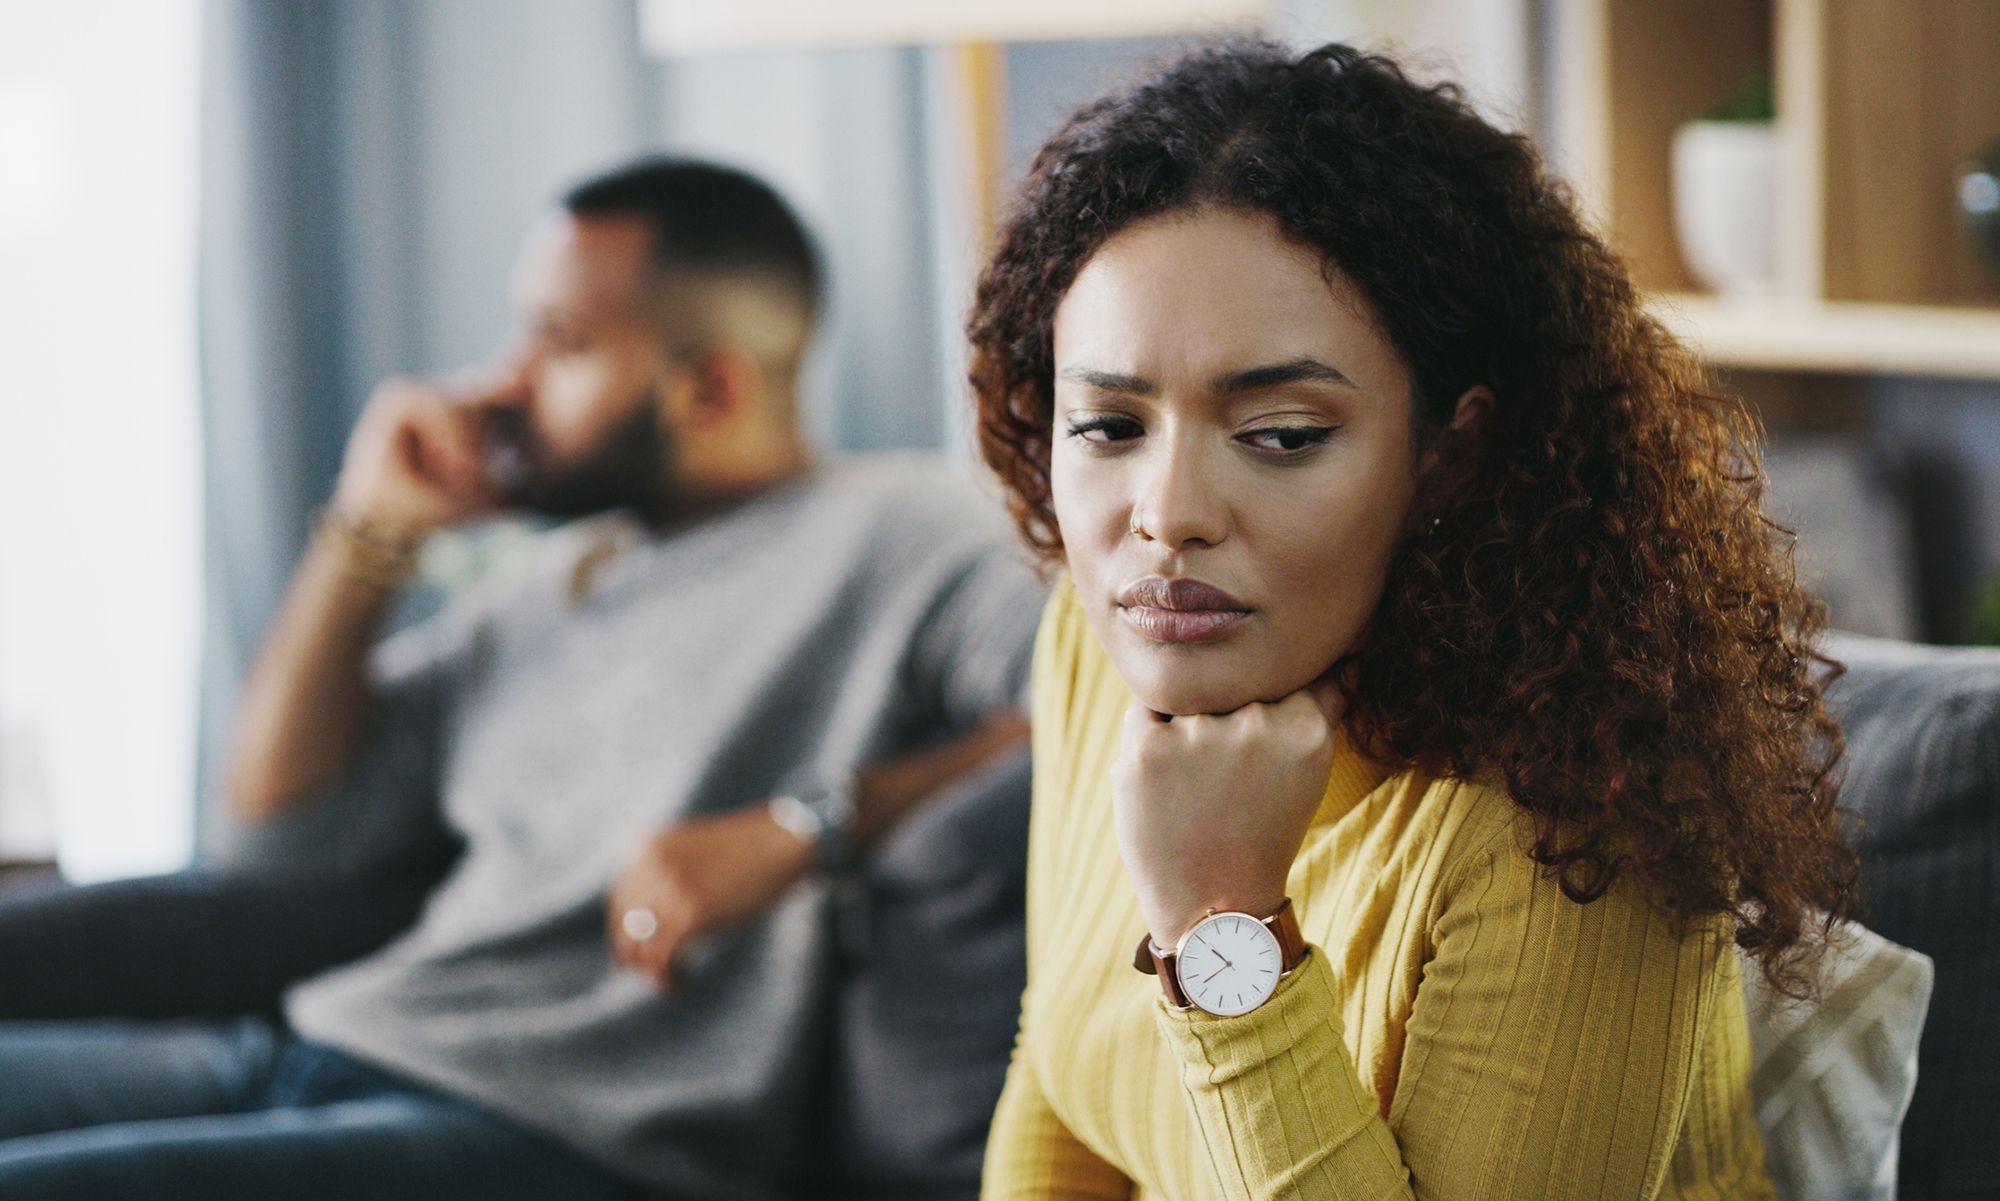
(630, 468)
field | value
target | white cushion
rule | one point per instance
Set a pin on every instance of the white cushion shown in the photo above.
(1832, 1081)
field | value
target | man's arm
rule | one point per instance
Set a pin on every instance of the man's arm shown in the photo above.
(306, 703)
(411, 466)
(968, 667)
(884, 792)
(709, 873)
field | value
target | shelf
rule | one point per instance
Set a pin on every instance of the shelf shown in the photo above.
(1877, 107)
(1909, 95)
(1885, 339)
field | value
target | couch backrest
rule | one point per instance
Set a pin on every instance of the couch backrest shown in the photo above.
(927, 1001)
(1923, 730)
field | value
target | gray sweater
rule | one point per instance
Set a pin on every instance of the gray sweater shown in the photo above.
(866, 610)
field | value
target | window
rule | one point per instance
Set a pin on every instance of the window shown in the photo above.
(99, 447)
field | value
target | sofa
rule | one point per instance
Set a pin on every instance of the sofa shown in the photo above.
(922, 1007)
(1923, 783)
(922, 1010)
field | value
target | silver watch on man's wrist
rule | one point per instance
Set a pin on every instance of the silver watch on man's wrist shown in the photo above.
(818, 808)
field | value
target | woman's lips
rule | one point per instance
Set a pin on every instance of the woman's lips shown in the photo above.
(1179, 610)
(1175, 625)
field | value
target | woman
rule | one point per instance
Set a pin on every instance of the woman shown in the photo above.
(1426, 697)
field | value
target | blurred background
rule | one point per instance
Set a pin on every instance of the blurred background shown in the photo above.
(222, 220)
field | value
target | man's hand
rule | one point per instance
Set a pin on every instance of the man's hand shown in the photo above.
(711, 873)
(696, 878)
(413, 462)
(1210, 810)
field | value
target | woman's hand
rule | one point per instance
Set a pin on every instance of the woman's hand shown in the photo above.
(1210, 810)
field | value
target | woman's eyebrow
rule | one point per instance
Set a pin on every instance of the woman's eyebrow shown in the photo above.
(1277, 375)
(1110, 381)
(1273, 375)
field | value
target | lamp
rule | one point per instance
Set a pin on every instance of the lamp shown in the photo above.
(973, 29)
(678, 27)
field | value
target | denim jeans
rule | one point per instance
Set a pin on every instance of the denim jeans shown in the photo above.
(240, 1109)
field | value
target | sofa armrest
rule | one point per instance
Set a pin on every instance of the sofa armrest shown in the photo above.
(196, 943)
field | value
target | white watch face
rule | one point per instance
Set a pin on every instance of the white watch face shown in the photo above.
(1229, 964)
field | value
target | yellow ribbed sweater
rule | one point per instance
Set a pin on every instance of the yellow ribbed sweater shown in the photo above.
(1459, 1030)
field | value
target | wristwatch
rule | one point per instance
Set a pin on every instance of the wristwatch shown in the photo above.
(818, 807)
(1229, 963)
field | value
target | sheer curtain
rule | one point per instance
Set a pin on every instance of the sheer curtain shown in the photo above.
(368, 169)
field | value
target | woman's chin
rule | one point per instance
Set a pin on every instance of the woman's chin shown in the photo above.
(1188, 697)
(1185, 680)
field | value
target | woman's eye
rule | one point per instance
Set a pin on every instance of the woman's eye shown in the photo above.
(1287, 439)
(1102, 430)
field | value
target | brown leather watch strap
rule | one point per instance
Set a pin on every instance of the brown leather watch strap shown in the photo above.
(1291, 942)
(1148, 958)
(1153, 962)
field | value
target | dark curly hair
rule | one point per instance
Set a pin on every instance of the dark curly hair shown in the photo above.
(1587, 599)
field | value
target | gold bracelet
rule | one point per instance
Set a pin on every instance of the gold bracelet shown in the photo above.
(371, 551)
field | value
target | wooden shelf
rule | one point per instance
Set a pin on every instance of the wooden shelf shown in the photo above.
(1909, 94)
(1877, 108)
(1836, 336)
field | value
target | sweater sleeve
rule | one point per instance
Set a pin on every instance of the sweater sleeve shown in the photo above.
(1550, 1053)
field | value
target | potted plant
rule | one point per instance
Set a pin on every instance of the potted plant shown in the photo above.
(1725, 191)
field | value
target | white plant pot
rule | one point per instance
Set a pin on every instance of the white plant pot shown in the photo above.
(1725, 204)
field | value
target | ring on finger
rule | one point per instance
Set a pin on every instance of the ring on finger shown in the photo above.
(639, 923)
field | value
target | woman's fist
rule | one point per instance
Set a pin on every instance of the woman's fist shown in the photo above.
(1210, 810)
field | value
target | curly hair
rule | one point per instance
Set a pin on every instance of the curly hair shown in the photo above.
(1587, 599)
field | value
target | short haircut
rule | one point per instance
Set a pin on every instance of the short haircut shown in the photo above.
(708, 220)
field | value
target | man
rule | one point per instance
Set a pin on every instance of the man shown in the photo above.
(740, 663)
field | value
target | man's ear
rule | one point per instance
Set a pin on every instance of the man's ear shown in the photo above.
(722, 384)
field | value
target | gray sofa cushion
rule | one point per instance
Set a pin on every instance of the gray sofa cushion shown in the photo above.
(1923, 729)
(930, 993)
